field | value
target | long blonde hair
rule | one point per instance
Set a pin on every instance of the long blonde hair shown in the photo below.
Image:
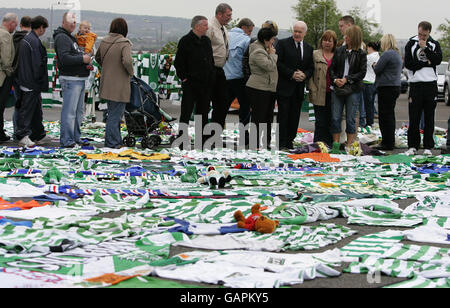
(355, 35)
(387, 42)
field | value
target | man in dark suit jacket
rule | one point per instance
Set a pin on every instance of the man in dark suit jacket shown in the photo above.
(295, 67)
(194, 63)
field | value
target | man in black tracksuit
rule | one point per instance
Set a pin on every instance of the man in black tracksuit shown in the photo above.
(194, 63)
(422, 55)
(32, 79)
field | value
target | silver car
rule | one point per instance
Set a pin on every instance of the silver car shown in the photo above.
(441, 70)
(447, 85)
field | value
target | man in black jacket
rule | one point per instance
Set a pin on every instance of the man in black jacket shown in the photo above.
(25, 28)
(73, 74)
(194, 63)
(32, 79)
(422, 55)
(295, 66)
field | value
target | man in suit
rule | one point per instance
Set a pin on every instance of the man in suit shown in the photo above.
(295, 67)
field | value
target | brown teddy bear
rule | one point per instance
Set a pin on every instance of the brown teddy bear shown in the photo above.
(256, 221)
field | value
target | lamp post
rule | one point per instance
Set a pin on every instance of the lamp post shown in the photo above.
(161, 33)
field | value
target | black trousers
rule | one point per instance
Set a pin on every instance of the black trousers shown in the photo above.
(5, 91)
(289, 110)
(422, 98)
(322, 131)
(262, 104)
(219, 96)
(29, 117)
(197, 96)
(387, 99)
(236, 89)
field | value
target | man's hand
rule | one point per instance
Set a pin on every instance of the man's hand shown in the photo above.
(422, 44)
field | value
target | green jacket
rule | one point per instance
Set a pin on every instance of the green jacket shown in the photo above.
(6, 54)
(264, 70)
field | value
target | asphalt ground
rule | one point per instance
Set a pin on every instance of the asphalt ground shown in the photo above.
(343, 281)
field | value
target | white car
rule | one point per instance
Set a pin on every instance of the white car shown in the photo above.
(447, 86)
(440, 70)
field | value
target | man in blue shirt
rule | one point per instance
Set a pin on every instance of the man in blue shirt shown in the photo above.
(239, 40)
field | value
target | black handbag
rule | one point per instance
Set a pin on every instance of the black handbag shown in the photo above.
(346, 90)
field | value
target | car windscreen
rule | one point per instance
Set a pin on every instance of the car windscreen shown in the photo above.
(441, 69)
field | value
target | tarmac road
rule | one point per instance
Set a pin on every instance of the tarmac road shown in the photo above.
(345, 280)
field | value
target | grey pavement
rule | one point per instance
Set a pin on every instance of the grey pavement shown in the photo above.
(343, 281)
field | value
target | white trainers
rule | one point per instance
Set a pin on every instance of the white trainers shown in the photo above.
(411, 151)
(44, 140)
(427, 153)
(25, 141)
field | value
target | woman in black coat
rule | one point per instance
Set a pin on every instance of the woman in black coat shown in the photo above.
(347, 72)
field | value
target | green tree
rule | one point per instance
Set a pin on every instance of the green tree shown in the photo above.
(445, 39)
(371, 31)
(170, 48)
(233, 23)
(316, 13)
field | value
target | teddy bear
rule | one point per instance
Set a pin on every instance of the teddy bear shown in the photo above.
(256, 221)
(215, 178)
(191, 175)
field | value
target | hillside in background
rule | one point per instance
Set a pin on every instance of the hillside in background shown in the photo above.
(143, 30)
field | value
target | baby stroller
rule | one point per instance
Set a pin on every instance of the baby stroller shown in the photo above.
(143, 117)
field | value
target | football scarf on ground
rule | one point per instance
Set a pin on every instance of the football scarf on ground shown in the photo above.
(285, 238)
(268, 271)
(378, 218)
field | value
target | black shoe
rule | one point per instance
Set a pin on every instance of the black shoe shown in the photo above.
(84, 143)
(70, 146)
(383, 148)
(4, 138)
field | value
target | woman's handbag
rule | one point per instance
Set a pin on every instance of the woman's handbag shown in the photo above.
(346, 90)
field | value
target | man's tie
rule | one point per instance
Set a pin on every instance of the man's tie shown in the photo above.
(225, 39)
(299, 50)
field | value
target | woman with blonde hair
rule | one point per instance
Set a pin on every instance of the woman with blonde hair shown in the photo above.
(388, 71)
(320, 86)
(347, 71)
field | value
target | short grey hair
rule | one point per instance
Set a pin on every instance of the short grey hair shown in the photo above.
(196, 20)
(301, 24)
(222, 8)
(10, 17)
(245, 22)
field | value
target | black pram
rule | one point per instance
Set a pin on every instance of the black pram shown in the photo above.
(143, 116)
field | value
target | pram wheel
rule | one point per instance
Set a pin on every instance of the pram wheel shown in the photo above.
(129, 141)
(151, 142)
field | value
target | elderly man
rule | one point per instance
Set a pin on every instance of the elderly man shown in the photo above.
(218, 35)
(7, 53)
(295, 66)
(239, 42)
(73, 74)
(194, 63)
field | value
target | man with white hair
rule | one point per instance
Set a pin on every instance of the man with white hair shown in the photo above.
(295, 66)
(73, 73)
(7, 52)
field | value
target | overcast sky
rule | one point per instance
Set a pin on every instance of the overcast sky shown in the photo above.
(399, 17)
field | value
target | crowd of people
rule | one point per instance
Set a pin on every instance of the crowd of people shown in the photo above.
(217, 66)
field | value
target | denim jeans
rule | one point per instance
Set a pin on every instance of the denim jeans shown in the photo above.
(72, 111)
(113, 138)
(338, 103)
(362, 110)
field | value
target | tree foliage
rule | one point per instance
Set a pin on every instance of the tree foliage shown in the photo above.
(169, 48)
(444, 40)
(312, 12)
